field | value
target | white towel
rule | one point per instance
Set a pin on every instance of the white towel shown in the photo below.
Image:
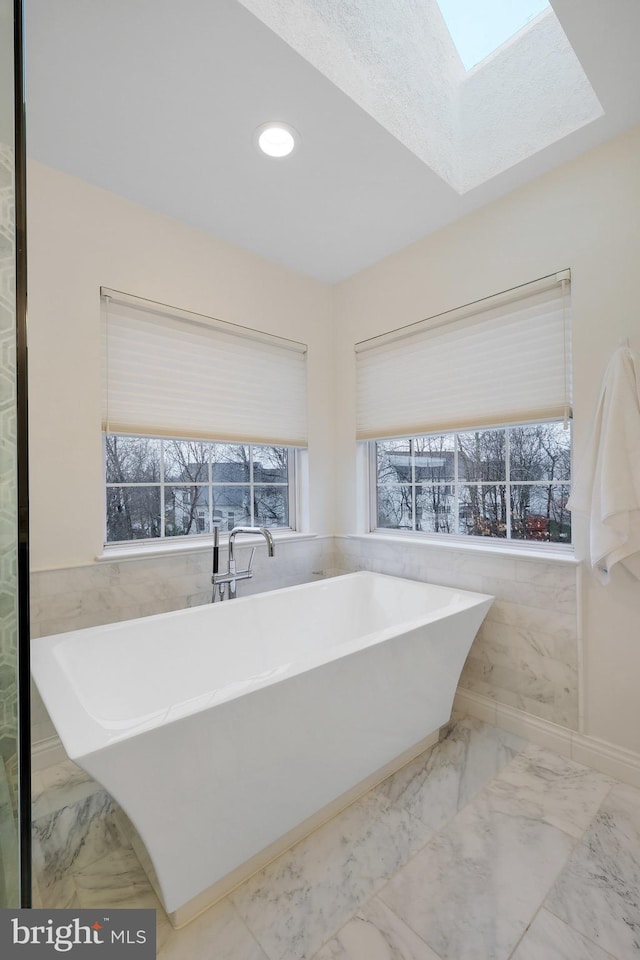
(607, 485)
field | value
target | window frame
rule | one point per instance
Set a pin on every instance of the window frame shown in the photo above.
(506, 543)
(195, 539)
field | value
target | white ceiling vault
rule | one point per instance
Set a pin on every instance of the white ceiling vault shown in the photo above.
(399, 63)
(158, 101)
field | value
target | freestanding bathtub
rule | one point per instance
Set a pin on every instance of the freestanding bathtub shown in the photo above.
(222, 729)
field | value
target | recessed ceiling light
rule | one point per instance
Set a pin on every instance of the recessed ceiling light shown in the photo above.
(276, 139)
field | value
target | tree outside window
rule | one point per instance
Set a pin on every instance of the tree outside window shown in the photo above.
(502, 483)
(159, 488)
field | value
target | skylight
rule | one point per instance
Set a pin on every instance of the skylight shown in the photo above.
(479, 29)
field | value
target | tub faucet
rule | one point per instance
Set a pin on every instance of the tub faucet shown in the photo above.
(233, 574)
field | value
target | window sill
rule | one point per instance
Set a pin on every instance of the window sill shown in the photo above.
(556, 553)
(138, 551)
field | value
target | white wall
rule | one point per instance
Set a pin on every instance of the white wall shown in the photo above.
(586, 216)
(81, 237)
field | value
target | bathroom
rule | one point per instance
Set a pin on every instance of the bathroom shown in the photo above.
(552, 675)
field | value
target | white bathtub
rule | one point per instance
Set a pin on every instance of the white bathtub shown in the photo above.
(220, 729)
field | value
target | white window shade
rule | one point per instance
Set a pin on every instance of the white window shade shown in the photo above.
(502, 360)
(171, 373)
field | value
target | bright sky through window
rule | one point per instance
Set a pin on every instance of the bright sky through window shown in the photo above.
(479, 28)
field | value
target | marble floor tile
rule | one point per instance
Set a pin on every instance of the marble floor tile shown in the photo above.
(68, 783)
(299, 901)
(598, 892)
(376, 933)
(37, 794)
(551, 939)
(218, 934)
(60, 786)
(473, 890)
(64, 774)
(53, 888)
(444, 779)
(553, 789)
(450, 859)
(36, 899)
(69, 839)
(117, 880)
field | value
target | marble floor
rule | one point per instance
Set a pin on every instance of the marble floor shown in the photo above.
(483, 848)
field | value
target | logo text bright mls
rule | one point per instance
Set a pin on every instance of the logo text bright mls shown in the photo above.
(62, 937)
(47, 933)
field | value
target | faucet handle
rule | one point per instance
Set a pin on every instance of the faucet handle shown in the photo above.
(246, 573)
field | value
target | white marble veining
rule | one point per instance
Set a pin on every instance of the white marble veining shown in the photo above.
(526, 654)
(554, 633)
(115, 880)
(472, 891)
(113, 590)
(556, 596)
(218, 934)
(552, 789)
(375, 838)
(376, 933)
(551, 939)
(442, 781)
(118, 881)
(60, 786)
(67, 840)
(299, 901)
(539, 685)
(598, 892)
(484, 848)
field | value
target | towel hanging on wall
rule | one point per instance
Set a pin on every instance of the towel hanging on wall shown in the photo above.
(607, 485)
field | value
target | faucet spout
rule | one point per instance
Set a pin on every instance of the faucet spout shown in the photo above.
(261, 530)
(221, 580)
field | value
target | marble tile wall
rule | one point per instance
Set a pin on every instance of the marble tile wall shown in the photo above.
(109, 591)
(526, 654)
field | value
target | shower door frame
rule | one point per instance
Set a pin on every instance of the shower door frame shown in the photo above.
(23, 645)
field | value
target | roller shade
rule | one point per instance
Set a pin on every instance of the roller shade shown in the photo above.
(502, 360)
(167, 372)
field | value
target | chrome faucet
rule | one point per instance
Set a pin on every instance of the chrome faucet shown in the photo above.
(232, 574)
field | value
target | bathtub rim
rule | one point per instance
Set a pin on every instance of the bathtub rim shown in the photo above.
(83, 734)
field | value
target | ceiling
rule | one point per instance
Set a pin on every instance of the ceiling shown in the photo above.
(158, 101)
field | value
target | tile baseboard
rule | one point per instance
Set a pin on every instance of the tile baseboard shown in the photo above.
(600, 755)
(46, 753)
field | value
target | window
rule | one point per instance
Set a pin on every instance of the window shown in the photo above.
(158, 487)
(465, 416)
(477, 30)
(201, 419)
(511, 483)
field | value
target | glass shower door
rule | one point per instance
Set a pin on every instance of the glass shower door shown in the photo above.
(13, 880)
